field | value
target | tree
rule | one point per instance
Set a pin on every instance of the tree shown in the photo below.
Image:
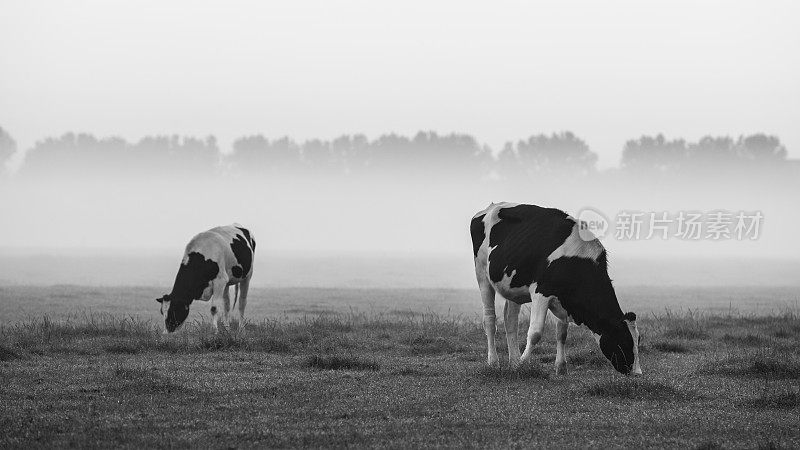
(542, 154)
(256, 153)
(654, 153)
(761, 148)
(711, 150)
(7, 147)
(354, 152)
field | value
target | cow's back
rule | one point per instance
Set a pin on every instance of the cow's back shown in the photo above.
(516, 242)
(231, 246)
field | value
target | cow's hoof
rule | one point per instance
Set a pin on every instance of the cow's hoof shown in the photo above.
(494, 363)
(561, 369)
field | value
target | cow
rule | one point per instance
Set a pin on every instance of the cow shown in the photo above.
(213, 261)
(531, 254)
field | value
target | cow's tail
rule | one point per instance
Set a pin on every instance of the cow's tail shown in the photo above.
(235, 295)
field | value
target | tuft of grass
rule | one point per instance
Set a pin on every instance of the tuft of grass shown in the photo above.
(685, 331)
(7, 353)
(633, 389)
(45, 332)
(521, 373)
(223, 340)
(783, 333)
(740, 339)
(671, 346)
(426, 345)
(341, 362)
(690, 325)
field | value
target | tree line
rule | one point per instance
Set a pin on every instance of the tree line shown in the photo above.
(425, 151)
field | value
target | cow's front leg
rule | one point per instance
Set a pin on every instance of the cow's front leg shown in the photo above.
(539, 304)
(561, 352)
(242, 290)
(511, 318)
(489, 322)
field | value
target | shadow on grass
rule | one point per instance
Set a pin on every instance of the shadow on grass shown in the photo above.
(523, 372)
(8, 354)
(671, 346)
(415, 372)
(587, 357)
(768, 366)
(138, 381)
(122, 348)
(709, 445)
(340, 362)
(630, 388)
(785, 400)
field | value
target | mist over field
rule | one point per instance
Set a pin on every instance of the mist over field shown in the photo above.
(391, 196)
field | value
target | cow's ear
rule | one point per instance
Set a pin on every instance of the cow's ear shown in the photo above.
(630, 317)
(163, 299)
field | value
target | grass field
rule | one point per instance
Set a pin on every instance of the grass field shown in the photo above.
(392, 377)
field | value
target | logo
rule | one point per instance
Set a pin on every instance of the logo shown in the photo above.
(592, 224)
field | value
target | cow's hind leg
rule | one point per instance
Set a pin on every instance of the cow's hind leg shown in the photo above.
(511, 318)
(561, 352)
(218, 287)
(539, 305)
(489, 321)
(244, 288)
(226, 304)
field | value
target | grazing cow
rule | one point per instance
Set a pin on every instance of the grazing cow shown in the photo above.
(531, 254)
(213, 261)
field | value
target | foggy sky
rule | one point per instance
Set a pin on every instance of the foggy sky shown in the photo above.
(608, 71)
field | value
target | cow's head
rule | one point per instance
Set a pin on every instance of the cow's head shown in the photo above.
(177, 312)
(620, 344)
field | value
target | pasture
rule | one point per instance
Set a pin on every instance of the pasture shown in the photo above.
(389, 374)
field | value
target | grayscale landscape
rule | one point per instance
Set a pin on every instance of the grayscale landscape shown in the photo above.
(355, 145)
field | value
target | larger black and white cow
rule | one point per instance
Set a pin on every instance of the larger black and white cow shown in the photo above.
(214, 261)
(527, 253)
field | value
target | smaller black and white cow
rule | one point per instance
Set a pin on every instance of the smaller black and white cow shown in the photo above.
(213, 261)
(530, 254)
